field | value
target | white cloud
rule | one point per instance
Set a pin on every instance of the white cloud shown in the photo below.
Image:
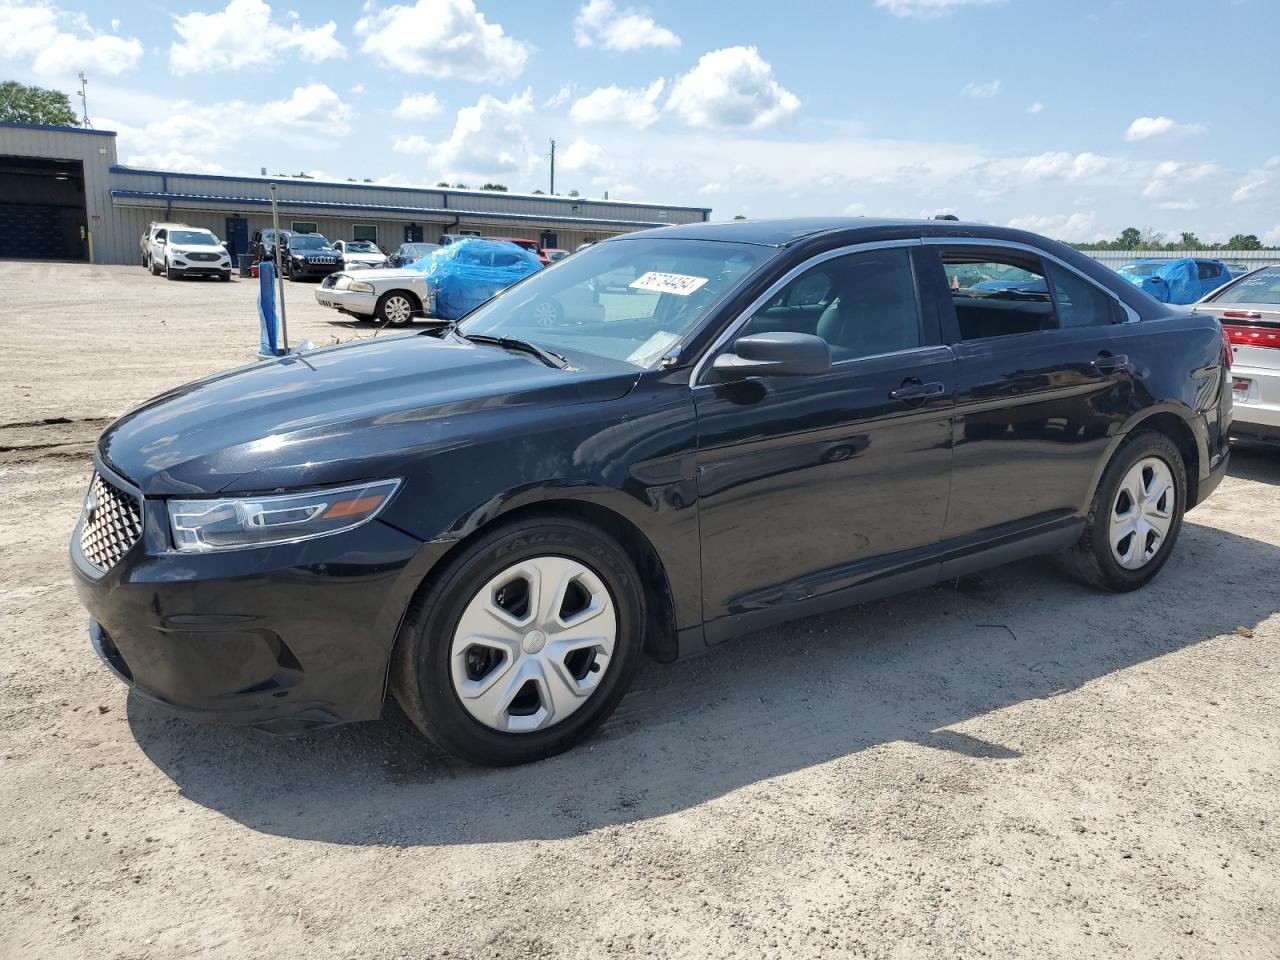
(1178, 205)
(311, 118)
(441, 38)
(1036, 107)
(634, 106)
(1143, 128)
(357, 90)
(981, 91)
(411, 144)
(584, 157)
(54, 42)
(488, 142)
(246, 34)
(560, 97)
(733, 87)
(1061, 165)
(1249, 189)
(855, 209)
(1272, 237)
(925, 9)
(417, 106)
(601, 24)
(1073, 228)
(174, 160)
(1172, 174)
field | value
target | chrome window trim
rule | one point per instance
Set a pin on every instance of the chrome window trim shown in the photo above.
(1131, 315)
(776, 287)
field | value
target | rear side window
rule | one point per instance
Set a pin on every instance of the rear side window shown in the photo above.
(1079, 302)
(1208, 271)
(1260, 287)
(997, 294)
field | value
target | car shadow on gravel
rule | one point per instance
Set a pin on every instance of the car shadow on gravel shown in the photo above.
(908, 668)
(1259, 462)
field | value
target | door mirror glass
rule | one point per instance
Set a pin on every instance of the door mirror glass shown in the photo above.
(781, 354)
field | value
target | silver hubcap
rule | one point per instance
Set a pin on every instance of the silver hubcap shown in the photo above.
(544, 314)
(1142, 513)
(398, 310)
(533, 644)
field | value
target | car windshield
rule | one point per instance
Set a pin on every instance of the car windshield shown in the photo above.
(194, 236)
(416, 249)
(307, 242)
(1262, 287)
(362, 246)
(1141, 269)
(630, 300)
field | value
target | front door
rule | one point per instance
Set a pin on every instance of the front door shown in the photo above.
(413, 233)
(807, 484)
(1043, 379)
(237, 236)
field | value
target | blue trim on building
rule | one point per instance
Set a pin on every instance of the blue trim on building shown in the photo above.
(169, 198)
(56, 128)
(445, 192)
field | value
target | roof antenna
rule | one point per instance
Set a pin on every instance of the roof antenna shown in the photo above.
(84, 103)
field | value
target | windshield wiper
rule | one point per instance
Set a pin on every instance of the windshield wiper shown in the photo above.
(548, 357)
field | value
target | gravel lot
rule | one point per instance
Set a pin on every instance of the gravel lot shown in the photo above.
(1007, 766)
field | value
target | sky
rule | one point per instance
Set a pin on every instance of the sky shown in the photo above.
(1074, 118)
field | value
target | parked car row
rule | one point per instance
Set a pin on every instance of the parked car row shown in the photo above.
(1183, 281)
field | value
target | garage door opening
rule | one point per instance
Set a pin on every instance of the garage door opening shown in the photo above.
(42, 211)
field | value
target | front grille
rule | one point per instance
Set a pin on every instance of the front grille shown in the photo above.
(322, 260)
(205, 257)
(112, 524)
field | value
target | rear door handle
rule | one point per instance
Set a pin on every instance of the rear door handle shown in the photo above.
(917, 391)
(1108, 362)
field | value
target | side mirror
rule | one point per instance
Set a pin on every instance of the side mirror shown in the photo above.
(781, 354)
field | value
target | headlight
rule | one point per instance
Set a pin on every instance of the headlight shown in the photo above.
(359, 286)
(205, 526)
(180, 253)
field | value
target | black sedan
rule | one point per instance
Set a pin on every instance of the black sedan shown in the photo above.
(497, 519)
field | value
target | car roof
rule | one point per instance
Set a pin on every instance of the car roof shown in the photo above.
(785, 232)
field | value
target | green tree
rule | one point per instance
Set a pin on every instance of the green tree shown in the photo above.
(443, 183)
(574, 193)
(1244, 241)
(539, 193)
(739, 217)
(22, 104)
(1129, 238)
(1189, 241)
(496, 187)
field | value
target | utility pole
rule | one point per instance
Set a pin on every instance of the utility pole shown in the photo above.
(553, 168)
(275, 225)
(84, 103)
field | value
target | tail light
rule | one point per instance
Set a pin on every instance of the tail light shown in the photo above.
(1226, 348)
(1251, 336)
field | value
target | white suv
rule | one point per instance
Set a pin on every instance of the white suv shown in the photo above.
(179, 252)
(154, 227)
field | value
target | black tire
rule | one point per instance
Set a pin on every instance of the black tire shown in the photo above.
(153, 267)
(172, 274)
(225, 276)
(386, 312)
(1091, 559)
(420, 674)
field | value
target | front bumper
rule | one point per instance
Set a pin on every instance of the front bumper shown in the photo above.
(313, 269)
(286, 637)
(202, 268)
(347, 301)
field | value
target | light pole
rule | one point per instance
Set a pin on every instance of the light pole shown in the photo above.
(275, 224)
(553, 168)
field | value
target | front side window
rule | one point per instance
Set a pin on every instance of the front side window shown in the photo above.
(863, 304)
(997, 294)
(630, 300)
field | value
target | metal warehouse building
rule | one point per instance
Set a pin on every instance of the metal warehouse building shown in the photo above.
(63, 196)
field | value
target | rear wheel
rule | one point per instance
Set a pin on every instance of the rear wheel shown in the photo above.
(395, 309)
(1136, 515)
(547, 313)
(524, 645)
(153, 266)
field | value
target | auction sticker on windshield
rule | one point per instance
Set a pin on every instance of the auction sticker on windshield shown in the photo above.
(677, 283)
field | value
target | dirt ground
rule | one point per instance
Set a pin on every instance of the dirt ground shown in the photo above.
(1010, 766)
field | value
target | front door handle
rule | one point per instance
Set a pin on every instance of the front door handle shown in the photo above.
(1108, 362)
(915, 390)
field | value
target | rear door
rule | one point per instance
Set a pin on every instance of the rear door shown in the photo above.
(1044, 375)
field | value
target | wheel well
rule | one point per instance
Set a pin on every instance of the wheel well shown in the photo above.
(413, 297)
(660, 626)
(1173, 427)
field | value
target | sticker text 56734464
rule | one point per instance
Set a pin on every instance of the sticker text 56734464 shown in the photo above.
(677, 283)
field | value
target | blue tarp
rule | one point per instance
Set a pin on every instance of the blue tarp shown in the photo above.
(1173, 281)
(268, 319)
(468, 272)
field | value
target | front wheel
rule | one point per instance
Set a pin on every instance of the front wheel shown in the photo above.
(395, 309)
(172, 274)
(1136, 515)
(525, 643)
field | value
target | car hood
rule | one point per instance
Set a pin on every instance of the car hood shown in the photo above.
(361, 255)
(389, 273)
(201, 247)
(340, 414)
